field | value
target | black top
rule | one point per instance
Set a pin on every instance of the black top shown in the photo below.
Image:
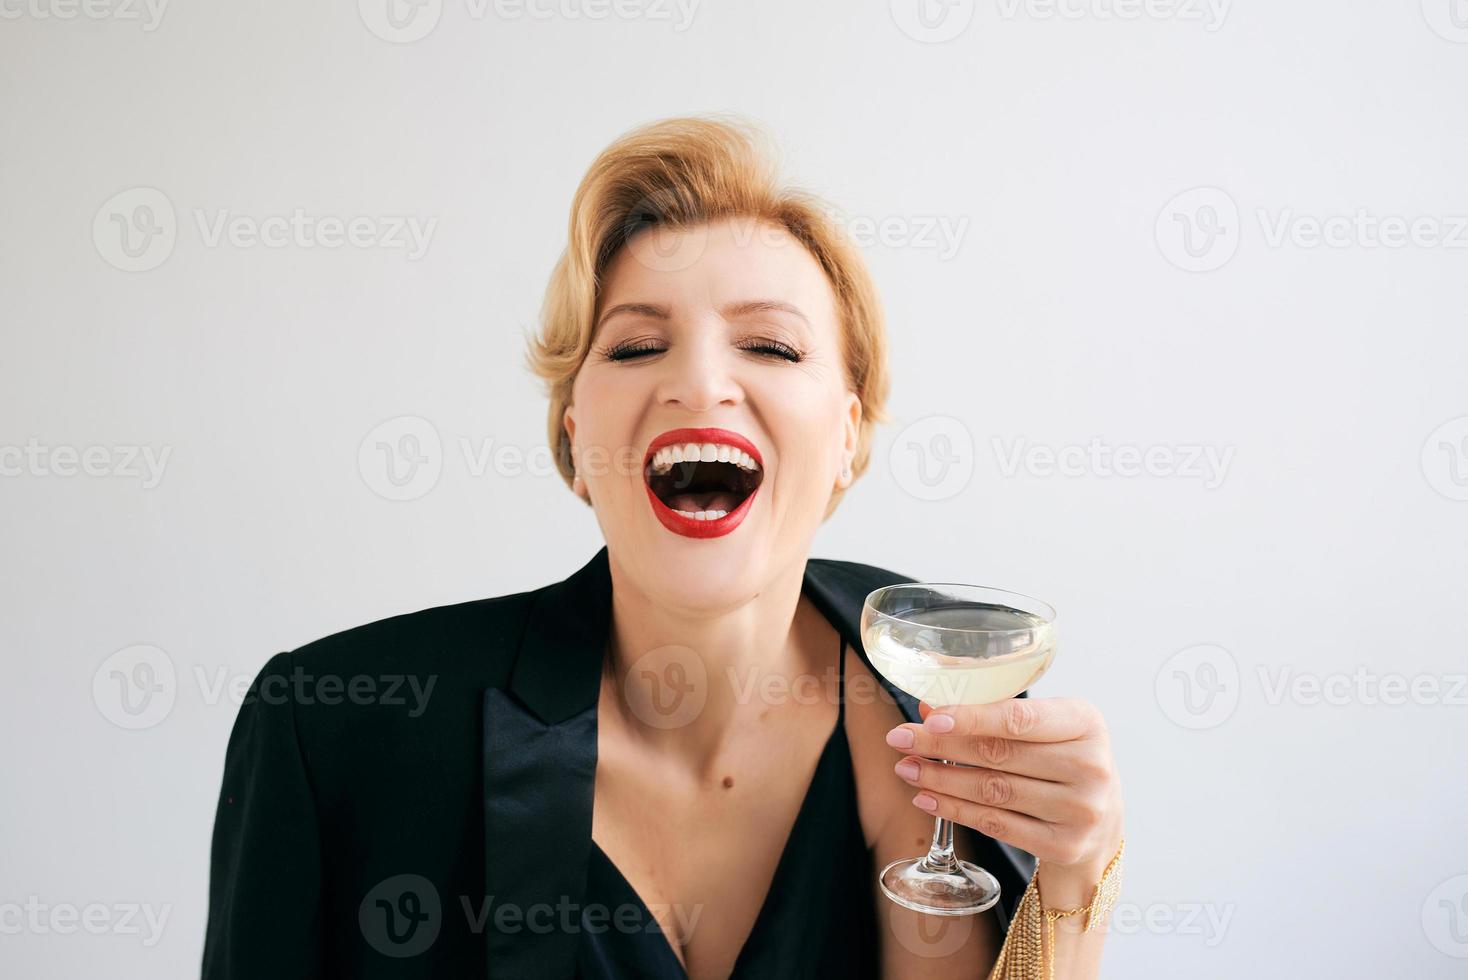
(411, 799)
(817, 919)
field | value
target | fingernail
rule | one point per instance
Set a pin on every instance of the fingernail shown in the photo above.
(900, 738)
(908, 770)
(925, 802)
(939, 723)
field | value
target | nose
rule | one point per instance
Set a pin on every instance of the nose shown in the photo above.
(699, 376)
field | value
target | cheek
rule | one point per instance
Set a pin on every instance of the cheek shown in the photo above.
(807, 425)
(604, 421)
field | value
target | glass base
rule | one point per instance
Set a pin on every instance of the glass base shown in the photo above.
(966, 890)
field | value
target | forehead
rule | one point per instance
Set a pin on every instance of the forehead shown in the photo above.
(718, 262)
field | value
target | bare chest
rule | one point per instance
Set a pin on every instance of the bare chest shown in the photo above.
(702, 851)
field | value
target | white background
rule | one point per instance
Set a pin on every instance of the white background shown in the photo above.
(1271, 833)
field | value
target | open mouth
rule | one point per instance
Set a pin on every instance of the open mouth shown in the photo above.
(702, 481)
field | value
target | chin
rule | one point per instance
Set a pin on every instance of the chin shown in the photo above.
(703, 575)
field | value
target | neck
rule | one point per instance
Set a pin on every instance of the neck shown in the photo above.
(683, 679)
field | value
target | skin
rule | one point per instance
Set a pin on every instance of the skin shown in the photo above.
(724, 621)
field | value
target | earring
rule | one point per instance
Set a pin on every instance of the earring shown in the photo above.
(578, 485)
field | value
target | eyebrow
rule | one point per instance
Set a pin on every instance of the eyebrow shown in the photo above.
(741, 308)
(641, 309)
(763, 306)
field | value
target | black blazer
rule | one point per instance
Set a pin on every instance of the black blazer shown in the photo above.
(412, 798)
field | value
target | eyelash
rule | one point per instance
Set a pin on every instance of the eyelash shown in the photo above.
(632, 350)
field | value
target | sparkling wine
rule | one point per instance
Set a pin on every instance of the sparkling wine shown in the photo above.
(961, 653)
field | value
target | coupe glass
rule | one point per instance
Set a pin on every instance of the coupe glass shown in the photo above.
(953, 644)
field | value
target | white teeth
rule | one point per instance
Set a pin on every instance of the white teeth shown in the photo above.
(706, 452)
(702, 515)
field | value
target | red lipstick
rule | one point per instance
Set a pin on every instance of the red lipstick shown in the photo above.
(692, 527)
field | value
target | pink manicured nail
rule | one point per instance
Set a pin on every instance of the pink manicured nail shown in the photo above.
(900, 738)
(925, 801)
(939, 723)
(908, 770)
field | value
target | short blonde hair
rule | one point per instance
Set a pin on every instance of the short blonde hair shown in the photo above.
(678, 173)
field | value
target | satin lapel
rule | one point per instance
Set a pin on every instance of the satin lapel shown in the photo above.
(539, 768)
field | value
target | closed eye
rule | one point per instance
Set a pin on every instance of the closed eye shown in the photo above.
(774, 348)
(634, 350)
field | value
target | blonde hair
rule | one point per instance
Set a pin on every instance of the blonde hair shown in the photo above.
(678, 173)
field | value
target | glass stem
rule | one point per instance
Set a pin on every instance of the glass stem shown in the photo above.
(941, 858)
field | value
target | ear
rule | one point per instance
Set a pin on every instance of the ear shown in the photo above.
(578, 485)
(851, 426)
(568, 422)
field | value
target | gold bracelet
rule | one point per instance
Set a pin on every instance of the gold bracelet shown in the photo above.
(1028, 952)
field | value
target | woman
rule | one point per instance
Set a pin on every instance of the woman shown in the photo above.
(677, 761)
